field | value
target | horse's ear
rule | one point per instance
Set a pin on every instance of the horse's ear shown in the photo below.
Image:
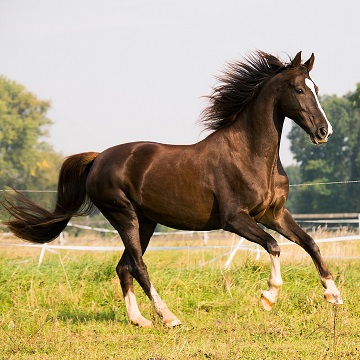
(310, 63)
(297, 60)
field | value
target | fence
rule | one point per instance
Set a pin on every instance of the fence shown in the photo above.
(347, 218)
(329, 219)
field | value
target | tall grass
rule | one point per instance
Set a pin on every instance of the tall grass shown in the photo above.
(71, 307)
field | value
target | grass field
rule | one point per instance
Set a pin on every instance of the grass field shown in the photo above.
(71, 306)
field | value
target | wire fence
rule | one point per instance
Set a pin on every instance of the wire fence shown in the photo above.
(291, 185)
(326, 183)
(310, 221)
(229, 250)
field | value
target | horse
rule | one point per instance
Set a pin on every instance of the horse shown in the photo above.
(233, 179)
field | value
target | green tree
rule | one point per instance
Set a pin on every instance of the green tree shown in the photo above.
(336, 161)
(354, 134)
(27, 161)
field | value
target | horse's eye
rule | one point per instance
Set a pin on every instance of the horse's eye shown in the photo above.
(299, 91)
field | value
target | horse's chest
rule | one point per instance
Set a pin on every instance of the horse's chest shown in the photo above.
(262, 201)
(270, 197)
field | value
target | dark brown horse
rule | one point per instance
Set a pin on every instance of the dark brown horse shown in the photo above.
(231, 180)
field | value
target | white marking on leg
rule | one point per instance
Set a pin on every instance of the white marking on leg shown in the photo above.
(332, 294)
(311, 86)
(133, 311)
(268, 297)
(169, 319)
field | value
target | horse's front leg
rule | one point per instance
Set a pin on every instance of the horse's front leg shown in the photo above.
(244, 225)
(268, 297)
(287, 226)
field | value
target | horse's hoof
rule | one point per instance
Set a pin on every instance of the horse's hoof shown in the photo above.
(265, 302)
(172, 323)
(333, 298)
(143, 322)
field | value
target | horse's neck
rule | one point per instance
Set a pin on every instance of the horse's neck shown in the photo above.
(257, 130)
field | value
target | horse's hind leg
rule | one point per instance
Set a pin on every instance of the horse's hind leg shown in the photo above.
(131, 265)
(126, 282)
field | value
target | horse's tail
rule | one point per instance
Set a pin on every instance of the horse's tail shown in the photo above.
(36, 224)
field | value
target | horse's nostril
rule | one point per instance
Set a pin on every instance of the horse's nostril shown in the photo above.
(322, 132)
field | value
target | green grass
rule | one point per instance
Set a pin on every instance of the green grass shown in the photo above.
(71, 308)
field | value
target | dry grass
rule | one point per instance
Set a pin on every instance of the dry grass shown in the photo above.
(71, 308)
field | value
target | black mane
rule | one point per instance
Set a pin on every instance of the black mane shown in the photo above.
(238, 85)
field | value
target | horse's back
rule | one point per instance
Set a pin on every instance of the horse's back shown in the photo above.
(162, 182)
(120, 166)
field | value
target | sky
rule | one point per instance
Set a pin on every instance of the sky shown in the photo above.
(129, 70)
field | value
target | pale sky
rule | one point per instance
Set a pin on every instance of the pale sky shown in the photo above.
(128, 70)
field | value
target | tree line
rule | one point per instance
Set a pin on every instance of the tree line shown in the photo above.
(29, 162)
(337, 162)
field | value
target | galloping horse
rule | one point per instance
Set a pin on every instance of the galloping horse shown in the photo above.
(231, 180)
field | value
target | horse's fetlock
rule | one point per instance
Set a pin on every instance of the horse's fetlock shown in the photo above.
(275, 283)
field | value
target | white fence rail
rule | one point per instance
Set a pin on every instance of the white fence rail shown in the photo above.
(231, 249)
(335, 218)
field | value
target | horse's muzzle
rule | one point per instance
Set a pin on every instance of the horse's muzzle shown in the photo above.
(320, 136)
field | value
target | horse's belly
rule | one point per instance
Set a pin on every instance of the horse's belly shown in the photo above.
(181, 213)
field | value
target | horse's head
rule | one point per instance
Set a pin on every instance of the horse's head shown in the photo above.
(299, 102)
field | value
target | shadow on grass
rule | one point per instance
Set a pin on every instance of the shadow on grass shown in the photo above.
(80, 317)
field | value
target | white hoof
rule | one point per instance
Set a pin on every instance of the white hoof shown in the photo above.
(172, 323)
(333, 298)
(267, 300)
(142, 322)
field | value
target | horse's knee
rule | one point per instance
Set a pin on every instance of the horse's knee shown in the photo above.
(272, 247)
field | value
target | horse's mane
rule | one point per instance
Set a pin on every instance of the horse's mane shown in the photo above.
(238, 85)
